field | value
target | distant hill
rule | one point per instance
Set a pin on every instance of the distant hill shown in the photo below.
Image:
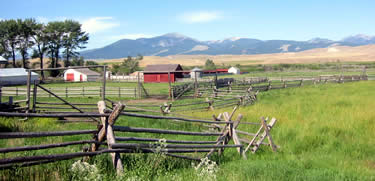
(177, 44)
(363, 53)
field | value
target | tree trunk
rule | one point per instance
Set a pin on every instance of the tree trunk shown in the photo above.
(41, 61)
(67, 58)
(56, 57)
(23, 59)
(14, 57)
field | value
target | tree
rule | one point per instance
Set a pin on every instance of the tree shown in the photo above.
(55, 32)
(4, 49)
(139, 57)
(41, 40)
(129, 65)
(77, 61)
(9, 30)
(209, 65)
(73, 38)
(25, 40)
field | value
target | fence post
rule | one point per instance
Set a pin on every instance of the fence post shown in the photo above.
(28, 89)
(0, 93)
(169, 84)
(66, 92)
(139, 85)
(16, 91)
(172, 93)
(269, 85)
(100, 92)
(104, 81)
(83, 91)
(119, 92)
(135, 92)
(195, 85)
(34, 96)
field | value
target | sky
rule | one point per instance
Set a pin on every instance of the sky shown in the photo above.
(107, 21)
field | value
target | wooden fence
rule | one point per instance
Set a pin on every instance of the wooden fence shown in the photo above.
(107, 136)
(73, 91)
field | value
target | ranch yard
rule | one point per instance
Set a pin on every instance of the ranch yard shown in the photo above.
(324, 132)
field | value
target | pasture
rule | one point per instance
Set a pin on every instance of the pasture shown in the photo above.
(325, 132)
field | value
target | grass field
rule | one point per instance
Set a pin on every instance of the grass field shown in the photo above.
(326, 132)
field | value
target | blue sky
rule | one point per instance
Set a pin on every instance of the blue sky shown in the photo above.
(108, 21)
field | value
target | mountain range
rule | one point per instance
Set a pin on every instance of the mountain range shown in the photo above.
(177, 44)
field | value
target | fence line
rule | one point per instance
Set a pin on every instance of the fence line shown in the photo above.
(73, 91)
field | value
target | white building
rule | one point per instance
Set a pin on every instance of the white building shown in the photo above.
(3, 60)
(234, 70)
(16, 76)
(195, 71)
(81, 75)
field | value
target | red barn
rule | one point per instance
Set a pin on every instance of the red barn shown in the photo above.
(159, 72)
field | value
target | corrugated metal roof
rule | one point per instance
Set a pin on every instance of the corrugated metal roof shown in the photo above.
(9, 72)
(87, 71)
(162, 67)
(2, 58)
(196, 69)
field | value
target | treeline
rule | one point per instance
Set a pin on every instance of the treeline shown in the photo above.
(59, 40)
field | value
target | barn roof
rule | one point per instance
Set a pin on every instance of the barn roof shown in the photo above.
(3, 60)
(11, 72)
(196, 69)
(87, 71)
(163, 67)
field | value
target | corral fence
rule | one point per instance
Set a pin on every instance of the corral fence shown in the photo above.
(74, 91)
(242, 87)
(116, 139)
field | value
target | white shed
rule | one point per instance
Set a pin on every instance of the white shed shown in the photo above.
(195, 71)
(81, 75)
(16, 76)
(234, 70)
(3, 60)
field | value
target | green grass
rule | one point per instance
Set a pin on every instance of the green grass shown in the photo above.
(326, 132)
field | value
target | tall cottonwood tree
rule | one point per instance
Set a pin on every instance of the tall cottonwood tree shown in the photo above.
(73, 39)
(9, 38)
(41, 40)
(25, 40)
(55, 32)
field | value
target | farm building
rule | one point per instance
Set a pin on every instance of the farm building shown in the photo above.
(234, 70)
(219, 71)
(3, 60)
(196, 72)
(80, 75)
(159, 72)
(15, 76)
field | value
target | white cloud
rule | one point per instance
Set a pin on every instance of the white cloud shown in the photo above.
(200, 17)
(42, 19)
(45, 20)
(131, 36)
(91, 25)
(98, 24)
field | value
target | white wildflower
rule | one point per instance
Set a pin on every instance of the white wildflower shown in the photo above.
(161, 146)
(85, 171)
(206, 169)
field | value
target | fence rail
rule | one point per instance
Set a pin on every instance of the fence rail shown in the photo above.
(105, 132)
(73, 91)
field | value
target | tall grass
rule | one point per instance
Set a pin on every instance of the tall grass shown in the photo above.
(325, 132)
